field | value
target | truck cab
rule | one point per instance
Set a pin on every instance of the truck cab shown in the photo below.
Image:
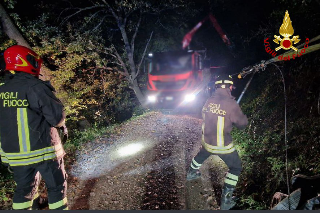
(173, 77)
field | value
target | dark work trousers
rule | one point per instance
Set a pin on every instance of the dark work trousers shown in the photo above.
(28, 178)
(232, 160)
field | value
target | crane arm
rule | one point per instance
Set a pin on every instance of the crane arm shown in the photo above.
(188, 37)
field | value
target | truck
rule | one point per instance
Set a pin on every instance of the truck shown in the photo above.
(173, 78)
(179, 78)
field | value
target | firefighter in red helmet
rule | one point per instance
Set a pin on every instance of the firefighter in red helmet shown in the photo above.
(29, 140)
(220, 113)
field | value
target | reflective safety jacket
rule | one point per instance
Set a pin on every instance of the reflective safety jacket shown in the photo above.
(28, 113)
(220, 113)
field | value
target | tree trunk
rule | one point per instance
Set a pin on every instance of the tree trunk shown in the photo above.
(133, 72)
(13, 33)
(139, 94)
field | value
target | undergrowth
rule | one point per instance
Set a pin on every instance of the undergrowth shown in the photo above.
(262, 146)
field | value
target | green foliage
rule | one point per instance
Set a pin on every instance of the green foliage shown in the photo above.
(261, 145)
(7, 186)
(10, 3)
(84, 82)
(81, 137)
(250, 203)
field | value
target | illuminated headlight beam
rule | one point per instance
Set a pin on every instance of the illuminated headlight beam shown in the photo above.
(130, 149)
(189, 97)
(152, 98)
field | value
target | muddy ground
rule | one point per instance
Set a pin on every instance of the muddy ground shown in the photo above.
(151, 174)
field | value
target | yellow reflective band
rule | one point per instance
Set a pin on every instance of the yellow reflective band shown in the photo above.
(30, 154)
(195, 162)
(220, 129)
(20, 131)
(230, 182)
(193, 167)
(66, 208)
(203, 115)
(26, 128)
(224, 82)
(58, 204)
(36, 195)
(4, 159)
(21, 159)
(23, 129)
(232, 176)
(28, 161)
(228, 82)
(219, 150)
(24, 205)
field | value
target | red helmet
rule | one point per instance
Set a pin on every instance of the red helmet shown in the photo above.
(20, 58)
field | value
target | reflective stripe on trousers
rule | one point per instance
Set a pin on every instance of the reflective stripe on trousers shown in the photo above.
(55, 177)
(231, 179)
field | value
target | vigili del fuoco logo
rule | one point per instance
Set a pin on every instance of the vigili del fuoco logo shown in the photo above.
(286, 31)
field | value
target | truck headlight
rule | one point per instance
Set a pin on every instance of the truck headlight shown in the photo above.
(152, 98)
(189, 97)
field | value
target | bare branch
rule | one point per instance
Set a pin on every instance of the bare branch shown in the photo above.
(81, 10)
(94, 29)
(112, 12)
(126, 72)
(117, 63)
(136, 32)
(112, 55)
(94, 15)
(128, 49)
(144, 53)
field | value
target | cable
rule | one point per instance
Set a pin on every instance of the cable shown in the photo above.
(285, 131)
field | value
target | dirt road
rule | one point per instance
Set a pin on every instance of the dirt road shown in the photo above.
(143, 166)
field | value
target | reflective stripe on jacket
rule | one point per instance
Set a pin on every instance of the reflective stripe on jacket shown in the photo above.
(220, 113)
(28, 112)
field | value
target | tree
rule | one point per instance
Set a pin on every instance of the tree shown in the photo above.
(128, 16)
(13, 33)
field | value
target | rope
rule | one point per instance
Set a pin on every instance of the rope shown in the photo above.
(285, 132)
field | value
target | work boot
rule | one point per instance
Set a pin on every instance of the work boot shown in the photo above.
(40, 203)
(193, 174)
(227, 201)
